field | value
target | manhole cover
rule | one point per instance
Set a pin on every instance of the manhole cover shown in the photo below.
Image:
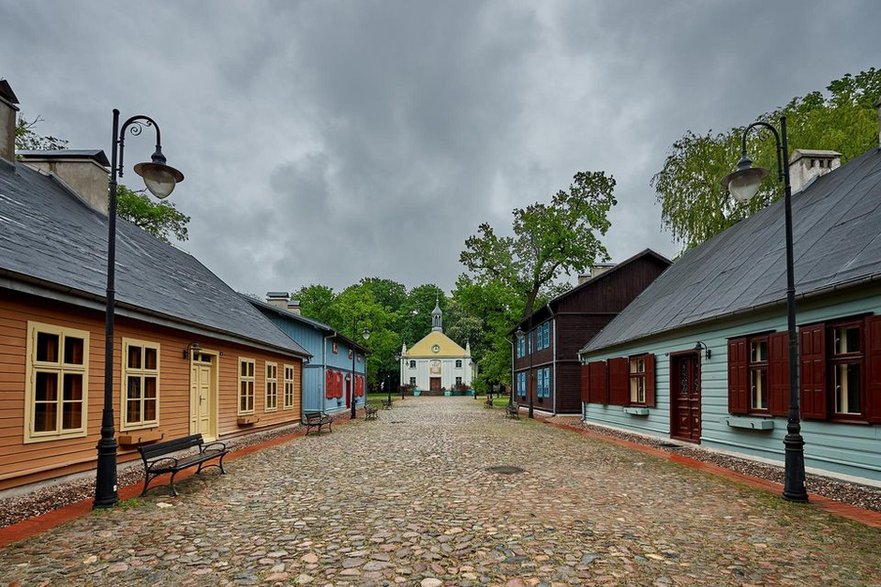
(669, 445)
(505, 470)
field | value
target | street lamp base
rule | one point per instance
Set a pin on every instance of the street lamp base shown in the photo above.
(794, 478)
(105, 480)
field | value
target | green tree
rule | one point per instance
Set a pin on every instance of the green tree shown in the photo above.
(414, 315)
(161, 219)
(695, 207)
(549, 239)
(27, 139)
(317, 302)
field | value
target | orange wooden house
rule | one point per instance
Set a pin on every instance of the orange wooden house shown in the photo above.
(191, 355)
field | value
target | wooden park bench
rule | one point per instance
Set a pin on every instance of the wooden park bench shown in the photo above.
(317, 420)
(512, 410)
(157, 462)
(386, 404)
(370, 412)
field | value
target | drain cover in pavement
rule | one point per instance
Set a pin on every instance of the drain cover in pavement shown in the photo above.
(504, 469)
(670, 445)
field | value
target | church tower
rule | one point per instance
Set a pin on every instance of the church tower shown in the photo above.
(437, 317)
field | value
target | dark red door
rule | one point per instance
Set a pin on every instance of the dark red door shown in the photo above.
(685, 397)
(435, 384)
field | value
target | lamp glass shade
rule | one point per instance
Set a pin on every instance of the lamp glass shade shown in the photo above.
(744, 183)
(365, 333)
(159, 178)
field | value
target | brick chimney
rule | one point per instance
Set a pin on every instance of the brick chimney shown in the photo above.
(8, 109)
(279, 299)
(84, 171)
(806, 165)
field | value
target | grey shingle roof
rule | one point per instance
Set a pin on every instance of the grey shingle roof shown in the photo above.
(48, 235)
(269, 308)
(837, 242)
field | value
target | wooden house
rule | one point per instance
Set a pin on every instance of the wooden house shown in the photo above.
(546, 364)
(335, 360)
(701, 355)
(191, 356)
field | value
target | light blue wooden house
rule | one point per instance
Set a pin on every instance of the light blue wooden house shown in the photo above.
(336, 372)
(701, 355)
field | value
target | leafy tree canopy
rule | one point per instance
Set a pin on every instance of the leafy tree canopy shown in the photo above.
(27, 139)
(695, 207)
(549, 239)
(161, 219)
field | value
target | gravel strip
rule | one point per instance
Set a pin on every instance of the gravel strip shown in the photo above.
(46, 498)
(856, 494)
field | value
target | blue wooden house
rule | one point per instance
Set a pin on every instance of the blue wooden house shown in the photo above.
(701, 355)
(336, 372)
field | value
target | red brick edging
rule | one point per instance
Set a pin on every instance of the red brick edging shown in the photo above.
(43, 522)
(861, 515)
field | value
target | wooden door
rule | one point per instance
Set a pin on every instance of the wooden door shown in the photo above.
(202, 396)
(685, 397)
(435, 384)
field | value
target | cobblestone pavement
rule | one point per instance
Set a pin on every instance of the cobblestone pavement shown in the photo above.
(408, 500)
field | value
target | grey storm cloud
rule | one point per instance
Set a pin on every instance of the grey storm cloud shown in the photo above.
(328, 141)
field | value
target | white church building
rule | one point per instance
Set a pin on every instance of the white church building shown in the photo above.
(436, 362)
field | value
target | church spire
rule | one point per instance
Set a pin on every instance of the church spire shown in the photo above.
(437, 317)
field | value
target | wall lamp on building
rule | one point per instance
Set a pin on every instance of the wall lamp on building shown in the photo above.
(160, 179)
(702, 346)
(743, 184)
(193, 347)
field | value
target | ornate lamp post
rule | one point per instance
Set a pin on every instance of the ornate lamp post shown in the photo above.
(160, 179)
(366, 335)
(743, 185)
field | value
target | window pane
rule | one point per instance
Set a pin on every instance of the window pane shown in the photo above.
(47, 347)
(73, 387)
(46, 387)
(72, 416)
(45, 414)
(73, 350)
(244, 368)
(150, 356)
(150, 387)
(758, 389)
(134, 357)
(134, 387)
(847, 340)
(250, 369)
(133, 411)
(758, 351)
(847, 388)
(149, 410)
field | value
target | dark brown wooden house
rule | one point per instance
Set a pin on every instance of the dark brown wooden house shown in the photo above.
(547, 369)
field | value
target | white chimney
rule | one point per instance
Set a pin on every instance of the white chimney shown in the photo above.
(8, 109)
(599, 269)
(583, 278)
(294, 307)
(279, 299)
(83, 171)
(806, 165)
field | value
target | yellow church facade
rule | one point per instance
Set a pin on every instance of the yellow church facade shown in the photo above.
(437, 362)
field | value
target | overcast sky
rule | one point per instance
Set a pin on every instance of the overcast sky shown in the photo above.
(326, 141)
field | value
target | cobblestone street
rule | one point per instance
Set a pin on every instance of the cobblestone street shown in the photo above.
(408, 500)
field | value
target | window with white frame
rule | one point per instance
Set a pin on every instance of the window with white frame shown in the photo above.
(458, 363)
(246, 386)
(288, 387)
(412, 364)
(412, 381)
(140, 384)
(56, 399)
(271, 403)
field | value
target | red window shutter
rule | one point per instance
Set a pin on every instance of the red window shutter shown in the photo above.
(812, 372)
(650, 380)
(778, 373)
(328, 385)
(599, 385)
(873, 369)
(584, 384)
(339, 384)
(738, 398)
(618, 381)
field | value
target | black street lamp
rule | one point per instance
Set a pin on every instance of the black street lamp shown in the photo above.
(743, 185)
(520, 335)
(365, 334)
(160, 179)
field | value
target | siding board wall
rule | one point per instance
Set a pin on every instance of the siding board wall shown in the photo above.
(22, 463)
